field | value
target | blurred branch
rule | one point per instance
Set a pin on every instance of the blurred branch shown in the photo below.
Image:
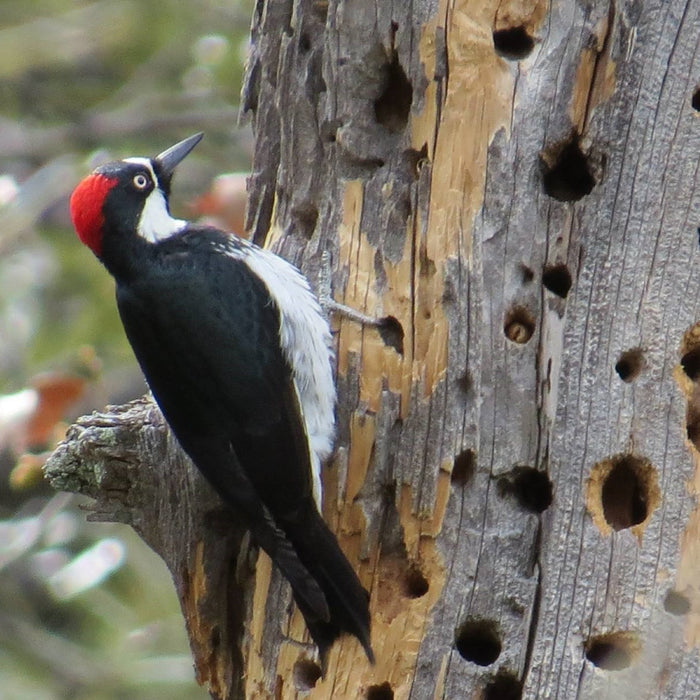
(127, 460)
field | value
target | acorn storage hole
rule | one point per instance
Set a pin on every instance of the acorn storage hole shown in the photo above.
(505, 686)
(692, 417)
(675, 603)
(465, 382)
(305, 674)
(463, 468)
(391, 333)
(305, 218)
(526, 273)
(519, 325)
(304, 43)
(415, 585)
(630, 364)
(557, 279)
(532, 489)
(690, 362)
(393, 106)
(695, 100)
(383, 691)
(624, 497)
(478, 641)
(613, 651)
(416, 159)
(622, 492)
(513, 43)
(567, 172)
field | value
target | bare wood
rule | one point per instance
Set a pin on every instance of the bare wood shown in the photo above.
(529, 222)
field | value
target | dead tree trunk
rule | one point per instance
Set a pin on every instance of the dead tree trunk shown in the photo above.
(515, 183)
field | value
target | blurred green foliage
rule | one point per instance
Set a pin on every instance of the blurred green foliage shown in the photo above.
(81, 83)
(105, 80)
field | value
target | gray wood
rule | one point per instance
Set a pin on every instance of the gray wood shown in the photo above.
(440, 218)
(130, 464)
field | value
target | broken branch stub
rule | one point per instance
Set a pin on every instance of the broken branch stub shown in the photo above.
(126, 459)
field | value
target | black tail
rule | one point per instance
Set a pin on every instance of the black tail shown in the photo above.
(348, 601)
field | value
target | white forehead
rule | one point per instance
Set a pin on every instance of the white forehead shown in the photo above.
(146, 163)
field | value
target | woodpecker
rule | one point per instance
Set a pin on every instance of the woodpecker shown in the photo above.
(237, 354)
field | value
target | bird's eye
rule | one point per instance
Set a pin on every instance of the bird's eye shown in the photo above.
(140, 181)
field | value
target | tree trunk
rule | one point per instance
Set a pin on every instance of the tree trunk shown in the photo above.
(514, 184)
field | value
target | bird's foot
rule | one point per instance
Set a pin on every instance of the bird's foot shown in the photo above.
(389, 327)
(330, 305)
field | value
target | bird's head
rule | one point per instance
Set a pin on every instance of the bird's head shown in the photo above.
(128, 196)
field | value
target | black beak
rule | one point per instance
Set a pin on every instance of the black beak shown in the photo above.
(169, 159)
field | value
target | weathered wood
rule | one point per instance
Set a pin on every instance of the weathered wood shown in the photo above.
(527, 221)
(128, 461)
(516, 183)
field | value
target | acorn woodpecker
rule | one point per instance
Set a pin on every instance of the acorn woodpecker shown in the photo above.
(236, 351)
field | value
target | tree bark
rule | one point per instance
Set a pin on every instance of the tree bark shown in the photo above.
(515, 183)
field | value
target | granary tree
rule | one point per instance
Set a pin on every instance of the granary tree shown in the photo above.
(510, 189)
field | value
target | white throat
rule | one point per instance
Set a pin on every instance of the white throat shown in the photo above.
(155, 223)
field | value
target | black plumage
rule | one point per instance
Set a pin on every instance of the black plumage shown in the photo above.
(206, 331)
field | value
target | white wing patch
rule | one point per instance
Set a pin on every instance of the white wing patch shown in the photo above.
(305, 337)
(155, 223)
(307, 345)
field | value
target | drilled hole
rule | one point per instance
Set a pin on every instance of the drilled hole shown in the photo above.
(513, 43)
(304, 43)
(465, 382)
(612, 652)
(393, 106)
(557, 279)
(416, 159)
(477, 641)
(463, 468)
(692, 417)
(531, 488)
(630, 364)
(624, 496)
(415, 585)
(505, 686)
(329, 130)
(391, 332)
(676, 603)
(695, 100)
(380, 692)
(305, 673)
(305, 219)
(519, 325)
(690, 362)
(568, 176)
(527, 273)
(622, 492)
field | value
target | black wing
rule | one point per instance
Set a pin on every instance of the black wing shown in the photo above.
(206, 335)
